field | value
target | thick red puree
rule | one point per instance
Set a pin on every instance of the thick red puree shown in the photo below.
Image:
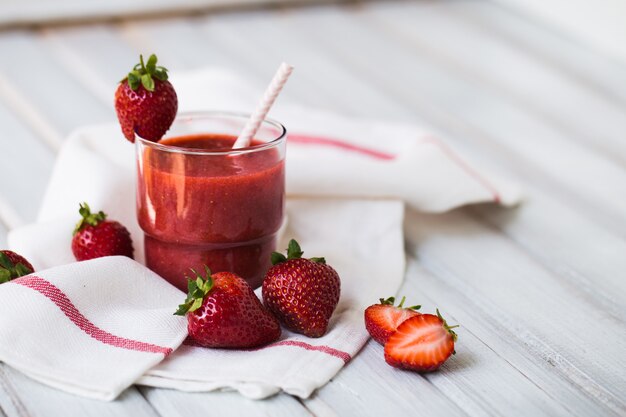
(222, 210)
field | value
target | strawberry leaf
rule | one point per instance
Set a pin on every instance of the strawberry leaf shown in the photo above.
(183, 308)
(447, 327)
(134, 80)
(144, 74)
(277, 258)
(197, 303)
(5, 262)
(147, 82)
(151, 64)
(88, 218)
(402, 302)
(389, 301)
(160, 74)
(191, 286)
(22, 270)
(293, 250)
(197, 289)
(5, 275)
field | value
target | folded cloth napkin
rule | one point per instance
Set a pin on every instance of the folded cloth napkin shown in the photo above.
(90, 328)
(328, 157)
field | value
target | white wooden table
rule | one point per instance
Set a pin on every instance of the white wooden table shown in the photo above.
(540, 291)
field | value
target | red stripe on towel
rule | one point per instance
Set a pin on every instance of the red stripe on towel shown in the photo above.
(377, 154)
(464, 166)
(61, 300)
(344, 356)
(336, 143)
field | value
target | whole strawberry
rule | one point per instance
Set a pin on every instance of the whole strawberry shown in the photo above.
(13, 266)
(421, 343)
(145, 101)
(95, 237)
(302, 293)
(382, 319)
(223, 312)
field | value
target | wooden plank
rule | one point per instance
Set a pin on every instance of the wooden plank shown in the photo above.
(183, 404)
(48, 86)
(262, 43)
(552, 233)
(239, 42)
(550, 93)
(25, 157)
(15, 14)
(483, 378)
(236, 42)
(367, 386)
(599, 27)
(588, 67)
(97, 70)
(211, 45)
(23, 397)
(477, 322)
(175, 42)
(474, 115)
(536, 312)
(555, 243)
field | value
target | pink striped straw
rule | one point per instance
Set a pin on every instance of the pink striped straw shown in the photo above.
(272, 91)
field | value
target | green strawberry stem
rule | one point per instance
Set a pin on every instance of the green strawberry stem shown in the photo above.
(387, 302)
(402, 302)
(293, 252)
(144, 74)
(197, 288)
(9, 271)
(448, 328)
(88, 218)
(391, 301)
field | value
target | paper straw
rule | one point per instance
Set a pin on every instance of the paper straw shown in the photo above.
(272, 91)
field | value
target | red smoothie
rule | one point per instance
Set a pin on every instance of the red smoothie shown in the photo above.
(202, 204)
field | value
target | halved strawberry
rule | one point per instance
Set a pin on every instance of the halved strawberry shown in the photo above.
(422, 343)
(381, 320)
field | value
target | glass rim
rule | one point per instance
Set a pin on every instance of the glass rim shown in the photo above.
(214, 114)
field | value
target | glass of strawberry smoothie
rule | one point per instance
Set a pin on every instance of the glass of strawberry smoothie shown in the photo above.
(200, 202)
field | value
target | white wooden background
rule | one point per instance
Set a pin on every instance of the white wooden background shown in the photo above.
(540, 291)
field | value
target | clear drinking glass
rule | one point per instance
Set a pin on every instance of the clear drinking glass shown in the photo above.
(199, 202)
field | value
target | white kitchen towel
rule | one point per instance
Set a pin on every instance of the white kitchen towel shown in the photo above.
(90, 328)
(328, 156)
